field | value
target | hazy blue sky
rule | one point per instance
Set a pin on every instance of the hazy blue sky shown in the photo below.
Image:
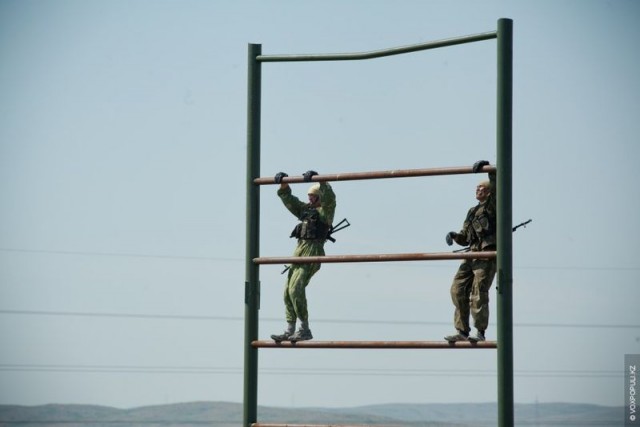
(122, 197)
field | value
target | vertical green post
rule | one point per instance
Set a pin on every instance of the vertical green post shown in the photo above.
(504, 206)
(252, 283)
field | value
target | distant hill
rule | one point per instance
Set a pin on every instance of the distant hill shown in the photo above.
(226, 414)
(485, 414)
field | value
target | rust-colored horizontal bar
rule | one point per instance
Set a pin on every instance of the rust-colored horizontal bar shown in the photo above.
(399, 173)
(374, 344)
(318, 425)
(435, 256)
(314, 425)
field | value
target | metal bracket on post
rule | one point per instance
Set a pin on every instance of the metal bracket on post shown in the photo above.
(252, 293)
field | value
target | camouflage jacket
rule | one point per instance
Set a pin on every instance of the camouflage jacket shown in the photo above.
(479, 228)
(326, 211)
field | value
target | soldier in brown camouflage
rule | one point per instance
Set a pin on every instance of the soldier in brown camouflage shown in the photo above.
(471, 284)
(316, 218)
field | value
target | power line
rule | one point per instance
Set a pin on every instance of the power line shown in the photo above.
(214, 370)
(273, 319)
(118, 254)
(120, 315)
(203, 258)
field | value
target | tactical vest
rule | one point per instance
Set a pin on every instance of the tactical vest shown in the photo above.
(482, 229)
(311, 227)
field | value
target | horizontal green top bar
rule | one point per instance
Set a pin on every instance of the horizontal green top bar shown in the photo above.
(378, 53)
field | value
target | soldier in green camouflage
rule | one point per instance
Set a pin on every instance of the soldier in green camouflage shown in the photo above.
(470, 288)
(316, 218)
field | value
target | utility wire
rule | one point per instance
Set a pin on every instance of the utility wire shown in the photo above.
(203, 258)
(212, 370)
(117, 254)
(273, 319)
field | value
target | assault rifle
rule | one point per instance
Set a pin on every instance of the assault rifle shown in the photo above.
(334, 229)
(339, 226)
(522, 224)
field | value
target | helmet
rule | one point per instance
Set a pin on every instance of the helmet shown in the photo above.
(314, 189)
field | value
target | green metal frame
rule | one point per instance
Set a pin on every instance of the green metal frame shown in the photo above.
(505, 223)
(504, 36)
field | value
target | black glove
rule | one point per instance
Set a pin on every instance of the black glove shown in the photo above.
(449, 238)
(308, 174)
(478, 165)
(279, 176)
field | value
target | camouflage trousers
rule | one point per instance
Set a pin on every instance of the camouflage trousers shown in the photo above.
(470, 293)
(295, 297)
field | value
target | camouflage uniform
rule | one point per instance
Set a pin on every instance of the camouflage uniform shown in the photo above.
(299, 276)
(471, 284)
